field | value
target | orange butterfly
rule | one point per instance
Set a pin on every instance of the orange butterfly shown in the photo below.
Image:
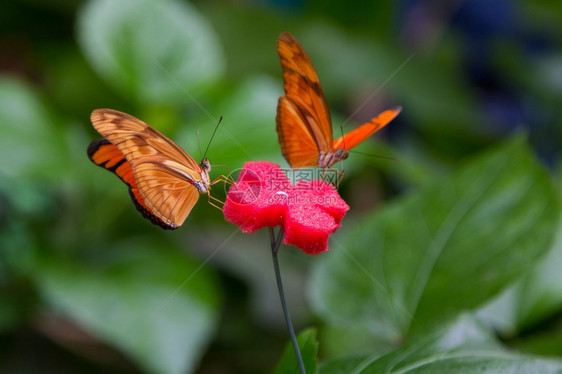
(164, 181)
(303, 120)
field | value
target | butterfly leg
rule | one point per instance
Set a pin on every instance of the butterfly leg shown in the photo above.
(326, 176)
(222, 178)
(341, 173)
(214, 201)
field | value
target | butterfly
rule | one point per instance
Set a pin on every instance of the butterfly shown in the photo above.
(164, 181)
(303, 121)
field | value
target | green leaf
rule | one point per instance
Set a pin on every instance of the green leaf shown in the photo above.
(151, 50)
(308, 345)
(32, 149)
(546, 341)
(28, 136)
(449, 248)
(247, 131)
(158, 307)
(464, 347)
(535, 297)
(16, 254)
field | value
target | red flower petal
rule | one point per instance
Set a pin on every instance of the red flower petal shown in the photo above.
(253, 202)
(325, 196)
(308, 229)
(263, 197)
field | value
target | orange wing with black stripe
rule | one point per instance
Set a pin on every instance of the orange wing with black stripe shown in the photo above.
(164, 181)
(109, 157)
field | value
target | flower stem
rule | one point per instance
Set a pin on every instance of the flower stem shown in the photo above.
(275, 245)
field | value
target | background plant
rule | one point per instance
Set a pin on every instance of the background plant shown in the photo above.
(447, 259)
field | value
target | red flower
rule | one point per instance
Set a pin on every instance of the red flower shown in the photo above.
(264, 197)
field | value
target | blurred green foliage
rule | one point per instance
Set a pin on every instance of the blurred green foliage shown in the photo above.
(308, 346)
(448, 261)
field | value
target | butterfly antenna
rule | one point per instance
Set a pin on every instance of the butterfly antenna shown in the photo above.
(199, 143)
(342, 135)
(212, 136)
(377, 156)
(343, 140)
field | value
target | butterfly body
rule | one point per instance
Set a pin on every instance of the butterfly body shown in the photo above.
(204, 185)
(303, 120)
(164, 181)
(327, 159)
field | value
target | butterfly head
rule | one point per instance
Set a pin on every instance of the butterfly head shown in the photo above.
(205, 165)
(326, 160)
(340, 154)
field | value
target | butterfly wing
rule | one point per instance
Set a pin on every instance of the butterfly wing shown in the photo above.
(298, 145)
(303, 120)
(162, 172)
(354, 138)
(109, 157)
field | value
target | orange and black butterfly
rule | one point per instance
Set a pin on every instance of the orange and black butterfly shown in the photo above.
(164, 181)
(303, 120)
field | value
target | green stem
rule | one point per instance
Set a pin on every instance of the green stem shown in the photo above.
(275, 245)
